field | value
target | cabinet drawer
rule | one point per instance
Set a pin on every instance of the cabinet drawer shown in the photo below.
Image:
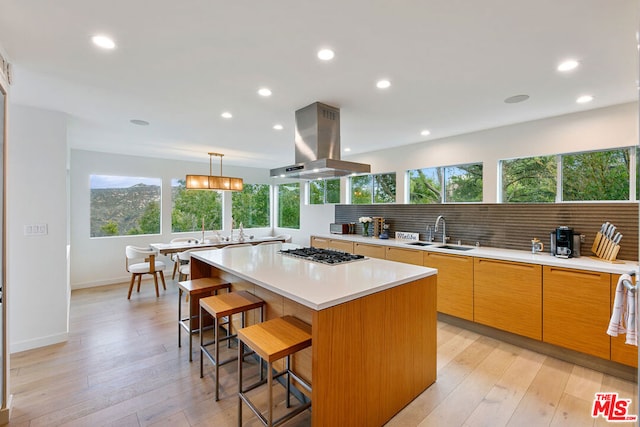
(408, 256)
(372, 251)
(319, 242)
(576, 310)
(455, 283)
(508, 296)
(341, 245)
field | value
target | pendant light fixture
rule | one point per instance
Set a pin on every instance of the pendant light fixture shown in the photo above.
(213, 182)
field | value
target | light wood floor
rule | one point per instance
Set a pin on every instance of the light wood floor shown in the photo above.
(122, 367)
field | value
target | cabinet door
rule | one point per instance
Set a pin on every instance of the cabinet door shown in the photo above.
(508, 296)
(408, 256)
(371, 251)
(576, 310)
(455, 283)
(319, 242)
(341, 245)
(621, 352)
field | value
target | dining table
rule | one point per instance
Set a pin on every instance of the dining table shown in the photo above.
(174, 247)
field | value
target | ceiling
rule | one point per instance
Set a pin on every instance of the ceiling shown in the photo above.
(180, 64)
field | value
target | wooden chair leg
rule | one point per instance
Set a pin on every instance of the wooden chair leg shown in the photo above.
(155, 282)
(164, 285)
(175, 268)
(133, 279)
(139, 280)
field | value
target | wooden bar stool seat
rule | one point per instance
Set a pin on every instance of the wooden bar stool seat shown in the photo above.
(196, 289)
(221, 307)
(273, 340)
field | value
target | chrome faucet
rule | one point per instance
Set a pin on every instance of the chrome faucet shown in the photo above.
(444, 228)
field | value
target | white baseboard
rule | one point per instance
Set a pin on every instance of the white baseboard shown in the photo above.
(16, 347)
(96, 283)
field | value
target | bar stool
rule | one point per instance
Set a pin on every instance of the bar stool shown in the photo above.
(219, 307)
(196, 289)
(272, 340)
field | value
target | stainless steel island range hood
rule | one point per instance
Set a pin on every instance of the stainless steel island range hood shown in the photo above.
(317, 144)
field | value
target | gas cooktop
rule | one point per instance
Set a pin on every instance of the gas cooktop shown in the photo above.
(324, 256)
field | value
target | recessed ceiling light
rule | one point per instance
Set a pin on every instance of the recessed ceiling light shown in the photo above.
(278, 127)
(103, 42)
(584, 99)
(516, 98)
(226, 115)
(264, 91)
(347, 149)
(326, 54)
(425, 132)
(383, 84)
(139, 122)
(568, 65)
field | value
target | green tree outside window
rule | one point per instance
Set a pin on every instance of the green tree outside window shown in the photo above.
(529, 180)
(192, 207)
(289, 205)
(597, 175)
(251, 206)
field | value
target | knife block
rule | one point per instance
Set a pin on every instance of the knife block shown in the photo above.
(604, 248)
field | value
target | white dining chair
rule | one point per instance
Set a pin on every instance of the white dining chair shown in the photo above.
(140, 261)
(174, 256)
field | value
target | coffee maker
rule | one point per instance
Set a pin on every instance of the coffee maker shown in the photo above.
(562, 242)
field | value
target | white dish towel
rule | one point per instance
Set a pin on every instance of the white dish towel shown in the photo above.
(623, 317)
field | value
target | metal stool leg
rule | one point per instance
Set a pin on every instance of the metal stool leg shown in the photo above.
(216, 338)
(240, 352)
(201, 342)
(179, 317)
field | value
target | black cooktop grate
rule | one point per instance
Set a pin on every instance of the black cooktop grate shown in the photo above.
(324, 256)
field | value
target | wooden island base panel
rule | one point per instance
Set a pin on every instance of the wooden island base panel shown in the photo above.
(370, 355)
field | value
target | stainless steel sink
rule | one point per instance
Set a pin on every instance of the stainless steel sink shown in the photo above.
(455, 248)
(420, 243)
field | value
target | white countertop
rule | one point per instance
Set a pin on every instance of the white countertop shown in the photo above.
(582, 263)
(317, 286)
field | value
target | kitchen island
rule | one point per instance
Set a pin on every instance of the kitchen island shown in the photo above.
(373, 326)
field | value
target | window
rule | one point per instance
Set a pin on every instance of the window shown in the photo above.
(451, 184)
(324, 191)
(378, 188)
(529, 180)
(463, 183)
(193, 209)
(597, 175)
(425, 186)
(124, 205)
(251, 206)
(289, 205)
(586, 176)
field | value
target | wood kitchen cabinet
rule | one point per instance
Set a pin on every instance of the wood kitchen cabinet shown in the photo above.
(409, 256)
(576, 310)
(371, 251)
(621, 352)
(335, 244)
(455, 283)
(508, 296)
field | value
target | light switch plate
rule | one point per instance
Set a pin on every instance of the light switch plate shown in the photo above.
(36, 230)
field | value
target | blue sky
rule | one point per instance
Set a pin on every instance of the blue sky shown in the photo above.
(107, 181)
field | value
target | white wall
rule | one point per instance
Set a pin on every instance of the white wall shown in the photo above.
(602, 128)
(37, 194)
